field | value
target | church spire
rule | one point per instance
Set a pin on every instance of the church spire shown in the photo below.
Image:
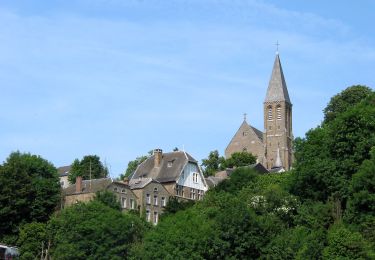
(277, 90)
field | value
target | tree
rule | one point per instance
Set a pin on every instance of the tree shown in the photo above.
(239, 159)
(94, 231)
(361, 204)
(344, 100)
(332, 153)
(29, 191)
(89, 167)
(345, 244)
(33, 241)
(108, 198)
(213, 163)
(132, 165)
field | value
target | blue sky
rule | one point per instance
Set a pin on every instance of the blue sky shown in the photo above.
(119, 78)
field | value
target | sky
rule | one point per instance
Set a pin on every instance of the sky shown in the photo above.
(119, 78)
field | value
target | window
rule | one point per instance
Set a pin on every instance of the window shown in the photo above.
(278, 112)
(169, 164)
(195, 177)
(156, 217)
(123, 191)
(132, 204)
(155, 200)
(269, 113)
(163, 202)
(148, 199)
(244, 149)
(200, 194)
(148, 216)
(115, 189)
(123, 202)
(244, 133)
(180, 190)
(155, 189)
(192, 194)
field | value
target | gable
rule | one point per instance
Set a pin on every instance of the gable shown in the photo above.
(192, 177)
(247, 138)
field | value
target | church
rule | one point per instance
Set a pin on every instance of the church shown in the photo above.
(273, 146)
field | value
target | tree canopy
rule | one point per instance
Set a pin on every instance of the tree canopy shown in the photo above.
(213, 163)
(344, 100)
(89, 167)
(29, 191)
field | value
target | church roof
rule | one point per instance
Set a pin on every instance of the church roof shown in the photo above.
(257, 132)
(277, 90)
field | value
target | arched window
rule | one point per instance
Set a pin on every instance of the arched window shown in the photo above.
(278, 112)
(269, 113)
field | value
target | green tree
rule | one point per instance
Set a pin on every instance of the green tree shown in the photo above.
(94, 231)
(132, 165)
(33, 240)
(239, 159)
(346, 244)
(344, 100)
(296, 243)
(89, 167)
(29, 191)
(361, 204)
(332, 153)
(108, 198)
(213, 163)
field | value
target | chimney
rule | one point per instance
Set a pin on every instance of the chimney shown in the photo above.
(78, 184)
(126, 180)
(158, 153)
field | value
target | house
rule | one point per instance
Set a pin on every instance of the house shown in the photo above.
(84, 190)
(63, 175)
(177, 171)
(152, 197)
(124, 194)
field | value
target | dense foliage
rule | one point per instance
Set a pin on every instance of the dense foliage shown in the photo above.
(215, 162)
(29, 191)
(323, 209)
(84, 231)
(89, 167)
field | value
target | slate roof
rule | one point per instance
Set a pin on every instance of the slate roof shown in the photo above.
(64, 170)
(139, 183)
(257, 132)
(213, 181)
(277, 90)
(169, 170)
(96, 185)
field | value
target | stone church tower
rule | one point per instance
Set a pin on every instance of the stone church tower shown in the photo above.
(278, 121)
(273, 147)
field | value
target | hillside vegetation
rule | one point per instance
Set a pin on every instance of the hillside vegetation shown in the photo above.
(322, 209)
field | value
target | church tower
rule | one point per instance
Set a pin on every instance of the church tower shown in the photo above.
(278, 121)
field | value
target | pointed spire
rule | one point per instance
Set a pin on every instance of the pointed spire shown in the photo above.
(277, 90)
(278, 159)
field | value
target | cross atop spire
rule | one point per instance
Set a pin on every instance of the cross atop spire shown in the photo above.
(277, 47)
(244, 116)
